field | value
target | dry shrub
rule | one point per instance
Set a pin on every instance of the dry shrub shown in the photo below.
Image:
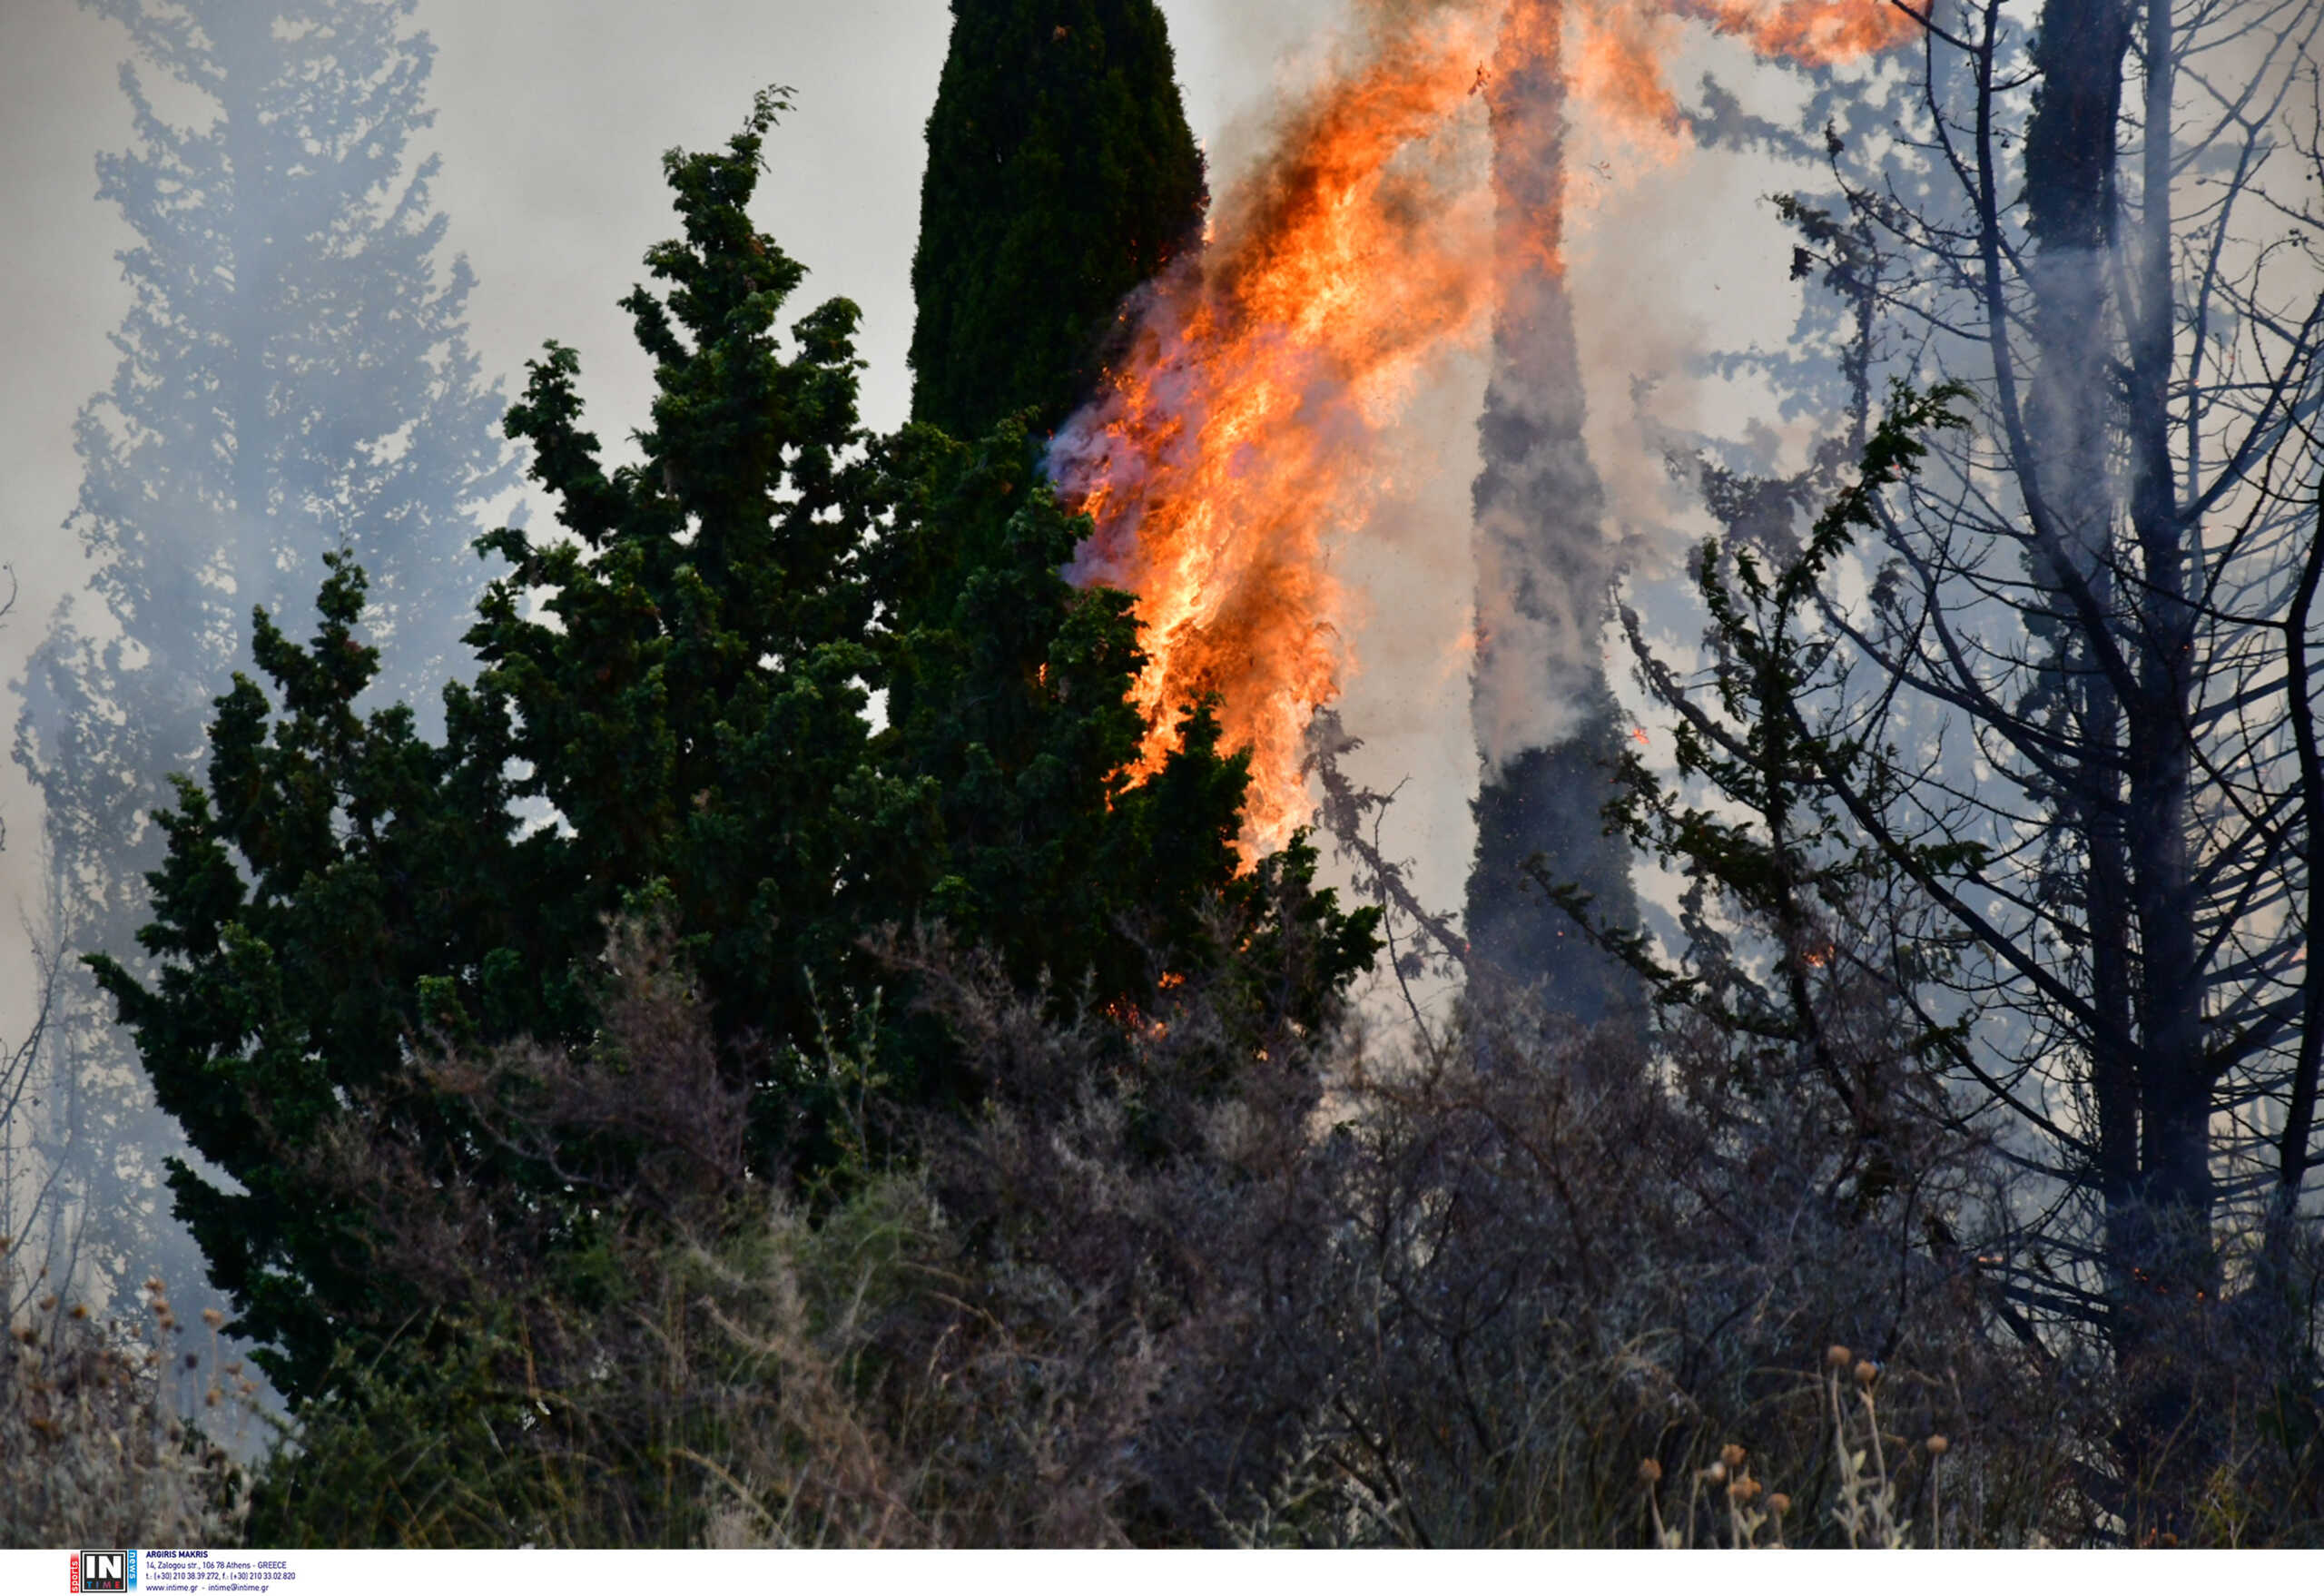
(1460, 1305)
(1210, 1274)
(1558, 1262)
(1141, 1236)
(109, 1433)
(1045, 1333)
(628, 1347)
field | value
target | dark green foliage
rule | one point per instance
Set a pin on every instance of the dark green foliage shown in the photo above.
(680, 733)
(1755, 735)
(1007, 716)
(325, 885)
(1060, 176)
(2070, 139)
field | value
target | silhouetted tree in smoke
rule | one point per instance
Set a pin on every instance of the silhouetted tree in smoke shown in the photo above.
(1061, 175)
(1549, 730)
(2086, 648)
(294, 379)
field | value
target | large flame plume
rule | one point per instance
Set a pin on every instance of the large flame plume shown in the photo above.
(1247, 429)
(1243, 432)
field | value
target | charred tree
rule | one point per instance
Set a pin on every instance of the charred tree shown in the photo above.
(1549, 731)
(2087, 638)
(2109, 558)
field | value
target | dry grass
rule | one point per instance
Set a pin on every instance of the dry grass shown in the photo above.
(111, 1431)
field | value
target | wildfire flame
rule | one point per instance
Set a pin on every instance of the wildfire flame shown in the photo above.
(1243, 433)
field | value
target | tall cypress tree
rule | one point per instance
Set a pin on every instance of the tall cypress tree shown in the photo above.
(294, 379)
(1061, 174)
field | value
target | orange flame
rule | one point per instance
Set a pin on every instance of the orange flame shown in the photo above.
(1814, 33)
(1243, 433)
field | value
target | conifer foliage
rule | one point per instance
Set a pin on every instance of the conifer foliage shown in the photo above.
(682, 733)
(1061, 175)
(294, 377)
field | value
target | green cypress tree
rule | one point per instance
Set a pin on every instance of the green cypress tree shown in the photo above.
(1061, 175)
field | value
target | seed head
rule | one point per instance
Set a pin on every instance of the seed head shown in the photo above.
(1731, 1455)
(154, 1284)
(28, 1335)
(1938, 1445)
(1838, 1356)
(48, 1303)
(212, 1317)
(80, 1310)
(1866, 1372)
(1716, 1472)
(1779, 1504)
(1650, 1472)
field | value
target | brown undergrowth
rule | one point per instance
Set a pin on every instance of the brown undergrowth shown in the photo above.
(1209, 1277)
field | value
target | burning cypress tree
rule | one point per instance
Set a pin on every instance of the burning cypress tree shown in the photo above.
(1548, 728)
(689, 701)
(1061, 175)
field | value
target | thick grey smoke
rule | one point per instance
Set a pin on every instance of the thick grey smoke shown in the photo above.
(293, 379)
(1543, 716)
(1542, 560)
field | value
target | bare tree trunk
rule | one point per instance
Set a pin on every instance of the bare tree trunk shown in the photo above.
(2182, 1273)
(2126, 806)
(2293, 1157)
(2071, 198)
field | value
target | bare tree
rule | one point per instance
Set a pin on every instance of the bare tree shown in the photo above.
(2084, 641)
